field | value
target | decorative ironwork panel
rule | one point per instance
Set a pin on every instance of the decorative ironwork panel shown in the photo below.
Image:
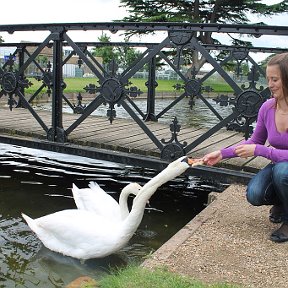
(113, 86)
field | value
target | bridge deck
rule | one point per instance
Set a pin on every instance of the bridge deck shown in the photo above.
(124, 135)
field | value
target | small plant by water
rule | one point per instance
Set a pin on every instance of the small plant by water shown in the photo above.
(136, 277)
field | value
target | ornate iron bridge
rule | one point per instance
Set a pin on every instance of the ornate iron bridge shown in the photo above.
(112, 87)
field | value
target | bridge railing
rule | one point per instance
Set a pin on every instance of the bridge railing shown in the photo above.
(171, 44)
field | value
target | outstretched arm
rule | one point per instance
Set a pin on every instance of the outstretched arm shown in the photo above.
(243, 151)
(212, 158)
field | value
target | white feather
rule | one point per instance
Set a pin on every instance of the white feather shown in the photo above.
(96, 200)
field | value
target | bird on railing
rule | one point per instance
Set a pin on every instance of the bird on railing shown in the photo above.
(96, 200)
(84, 234)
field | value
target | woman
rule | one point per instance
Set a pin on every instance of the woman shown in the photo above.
(270, 185)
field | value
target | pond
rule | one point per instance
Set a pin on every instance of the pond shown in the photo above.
(199, 116)
(38, 182)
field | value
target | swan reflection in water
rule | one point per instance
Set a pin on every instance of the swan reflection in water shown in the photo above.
(84, 234)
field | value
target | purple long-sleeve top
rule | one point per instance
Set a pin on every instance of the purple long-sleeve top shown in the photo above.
(265, 130)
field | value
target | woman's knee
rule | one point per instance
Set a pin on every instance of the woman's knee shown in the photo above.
(280, 173)
(259, 189)
(254, 197)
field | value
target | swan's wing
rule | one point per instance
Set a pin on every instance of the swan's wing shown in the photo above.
(95, 186)
(67, 223)
(96, 200)
(69, 226)
(90, 198)
(75, 232)
(82, 197)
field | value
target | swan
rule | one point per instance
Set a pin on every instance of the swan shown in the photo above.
(84, 234)
(95, 199)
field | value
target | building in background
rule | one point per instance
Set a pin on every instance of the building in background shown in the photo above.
(70, 69)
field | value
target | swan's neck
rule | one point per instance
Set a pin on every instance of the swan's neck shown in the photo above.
(123, 199)
(133, 220)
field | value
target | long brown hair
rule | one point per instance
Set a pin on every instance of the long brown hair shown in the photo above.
(282, 61)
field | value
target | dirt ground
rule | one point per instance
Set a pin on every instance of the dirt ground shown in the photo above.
(228, 242)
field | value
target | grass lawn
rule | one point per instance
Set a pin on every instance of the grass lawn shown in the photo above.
(75, 85)
(136, 277)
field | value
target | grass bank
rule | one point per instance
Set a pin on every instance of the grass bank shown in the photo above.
(75, 85)
(136, 277)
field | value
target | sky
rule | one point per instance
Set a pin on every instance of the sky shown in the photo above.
(66, 11)
(59, 11)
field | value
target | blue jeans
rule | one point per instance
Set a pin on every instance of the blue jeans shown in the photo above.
(270, 187)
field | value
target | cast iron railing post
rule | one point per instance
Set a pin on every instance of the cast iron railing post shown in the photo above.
(21, 62)
(151, 85)
(56, 132)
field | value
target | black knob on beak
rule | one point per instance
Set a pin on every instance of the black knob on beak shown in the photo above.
(185, 160)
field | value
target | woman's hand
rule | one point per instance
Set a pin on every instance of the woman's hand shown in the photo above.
(212, 158)
(245, 150)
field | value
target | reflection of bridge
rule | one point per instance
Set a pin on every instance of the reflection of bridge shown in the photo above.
(110, 87)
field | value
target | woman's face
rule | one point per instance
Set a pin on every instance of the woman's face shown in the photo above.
(274, 81)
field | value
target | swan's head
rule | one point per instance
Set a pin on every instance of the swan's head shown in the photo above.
(132, 188)
(173, 170)
(180, 165)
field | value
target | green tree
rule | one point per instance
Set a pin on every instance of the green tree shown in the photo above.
(264, 62)
(126, 55)
(122, 55)
(42, 60)
(105, 52)
(201, 11)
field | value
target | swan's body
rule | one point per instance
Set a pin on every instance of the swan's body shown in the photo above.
(78, 233)
(84, 234)
(95, 199)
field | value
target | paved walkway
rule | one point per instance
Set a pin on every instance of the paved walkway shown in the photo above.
(228, 242)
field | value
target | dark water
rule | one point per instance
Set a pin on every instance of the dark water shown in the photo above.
(39, 183)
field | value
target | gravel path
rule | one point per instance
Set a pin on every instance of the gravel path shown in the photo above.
(228, 242)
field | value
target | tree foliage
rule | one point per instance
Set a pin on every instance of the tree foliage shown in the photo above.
(126, 55)
(201, 11)
(122, 55)
(105, 52)
(264, 62)
(197, 11)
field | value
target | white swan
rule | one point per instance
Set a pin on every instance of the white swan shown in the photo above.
(83, 234)
(96, 200)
